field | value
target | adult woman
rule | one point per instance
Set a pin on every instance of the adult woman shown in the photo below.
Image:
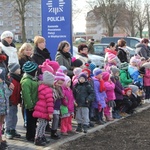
(123, 54)
(142, 49)
(41, 53)
(24, 54)
(63, 57)
(8, 47)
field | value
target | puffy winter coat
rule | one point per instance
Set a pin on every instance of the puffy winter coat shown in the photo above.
(83, 93)
(100, 97)
(110, 86)
(45, 104)
(125, 78)
(147, 77)
(70, 99)
(29, 91)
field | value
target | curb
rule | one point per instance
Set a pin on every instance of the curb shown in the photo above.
(97, 128)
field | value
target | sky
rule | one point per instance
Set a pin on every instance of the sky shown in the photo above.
(79, 23)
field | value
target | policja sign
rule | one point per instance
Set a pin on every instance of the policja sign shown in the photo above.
(56, 23)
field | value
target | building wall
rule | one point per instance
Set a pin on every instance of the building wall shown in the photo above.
(9, 19)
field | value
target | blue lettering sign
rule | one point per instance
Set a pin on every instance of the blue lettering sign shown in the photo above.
(56, 23)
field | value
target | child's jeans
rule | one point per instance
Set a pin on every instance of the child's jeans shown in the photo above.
(11, 118)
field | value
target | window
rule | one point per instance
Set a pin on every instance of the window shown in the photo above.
(133, 43)
(9, 23)
(30, 24)
(1, 23)
(1, 14)
(10, 14)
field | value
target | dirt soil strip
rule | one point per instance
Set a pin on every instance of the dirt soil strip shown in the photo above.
(132, 132)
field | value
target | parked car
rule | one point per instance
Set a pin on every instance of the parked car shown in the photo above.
(80, 40)
(99, 49)
(131, 41)
(18, 41)
(97, 60)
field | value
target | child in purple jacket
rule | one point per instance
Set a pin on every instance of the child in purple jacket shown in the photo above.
(100, 95)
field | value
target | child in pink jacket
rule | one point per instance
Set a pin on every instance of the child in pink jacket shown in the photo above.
(110, 86)
(44, 107)
(67, 107)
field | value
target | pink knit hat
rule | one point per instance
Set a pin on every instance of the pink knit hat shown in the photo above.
(133, 60)
(105, 76)
(53, 64)
(59, 76)
(46, 67)
(67, 79)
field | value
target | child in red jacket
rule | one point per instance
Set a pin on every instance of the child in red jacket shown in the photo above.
(15, 99)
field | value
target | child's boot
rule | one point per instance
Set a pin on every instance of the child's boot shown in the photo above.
(79, 127)
(54, 135)
(85, 128)
(39, 142)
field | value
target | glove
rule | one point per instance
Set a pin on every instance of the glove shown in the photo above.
(123, 92)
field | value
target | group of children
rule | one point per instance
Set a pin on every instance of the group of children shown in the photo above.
(91, 95)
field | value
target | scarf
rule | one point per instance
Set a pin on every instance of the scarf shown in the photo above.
(10, 51)
(7, 45)
(102, 86)
(67, 55)
(45, 53)
(84, 55)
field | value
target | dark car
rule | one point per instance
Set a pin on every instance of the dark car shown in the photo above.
(131, 41)
(99, 49)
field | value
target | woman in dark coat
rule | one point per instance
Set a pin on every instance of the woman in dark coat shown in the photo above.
(41, 53)
(123, 54)
(63, 56)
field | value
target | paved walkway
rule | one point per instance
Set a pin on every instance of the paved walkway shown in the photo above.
(22, 144)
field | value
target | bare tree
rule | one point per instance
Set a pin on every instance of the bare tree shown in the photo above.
(109, 11)
(147, 8)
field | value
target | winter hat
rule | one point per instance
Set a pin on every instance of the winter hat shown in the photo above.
(124, 66)
(59, 76)
(97, 71)
(114, 70)
(77, 71)
(2, 73)
(29, 66)
(133, 60)
(127, 89)
(46, 67)
(76, 62)
(134, 88)
(48, 78)
(53, 64)
(87, 70)
(63, 68)
(92, 66)
(13, 67)
(142, 70)
(67, 79)
(105, 76)
(6, 34)
(82, 74)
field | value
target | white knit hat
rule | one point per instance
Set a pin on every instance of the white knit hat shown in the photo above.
(6, 34)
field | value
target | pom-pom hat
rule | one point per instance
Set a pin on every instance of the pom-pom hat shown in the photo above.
(29, 66)
(59, 76)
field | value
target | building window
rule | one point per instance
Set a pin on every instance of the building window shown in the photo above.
(10, 14)
(9, 23)
(1, 23)
(1, 14)
(30, 24)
